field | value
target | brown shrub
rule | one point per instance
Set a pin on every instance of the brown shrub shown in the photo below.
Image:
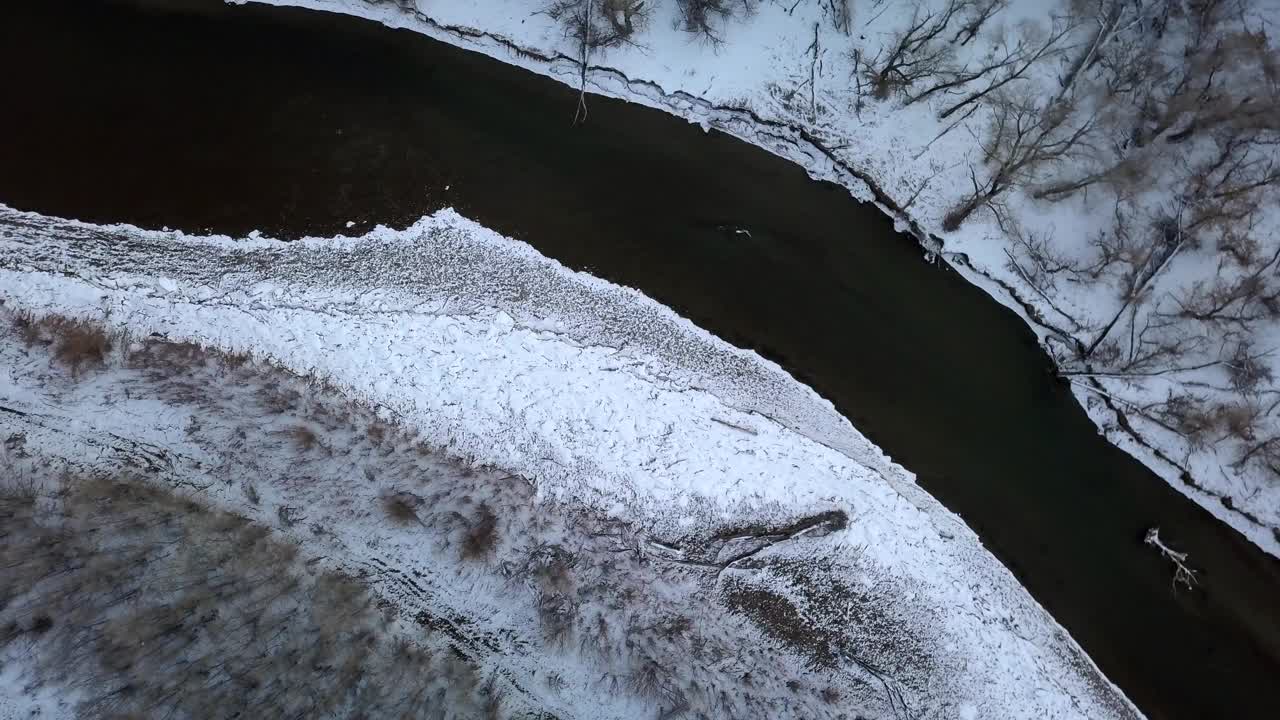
(482, 536)
(376, 432)
(304, 438)
(402, 507)
(27, 329)
(1240, 420)
(77, 344)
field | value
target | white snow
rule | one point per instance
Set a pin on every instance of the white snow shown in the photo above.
(422, 325)
(766, 70)
(18, 702)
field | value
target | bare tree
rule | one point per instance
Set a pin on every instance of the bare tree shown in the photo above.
(1035, 49)
(702, 17)
(1023, 138)
(1005, 56)
(597, 24)
(1225, 73)
(915, 52)
(1130, 170)
(979, 13)
(1236, 302)
(1227, 189)
(1141, 257)
(601, 23)
(841, 15)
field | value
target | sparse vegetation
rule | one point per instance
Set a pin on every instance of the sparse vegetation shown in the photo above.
(303, 437)
(482, 534)
(656, 627)
(402, 507)
(78, 345)
(152, 605)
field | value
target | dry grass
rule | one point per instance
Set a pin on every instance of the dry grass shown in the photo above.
(78, 345)
(130, 586)
(376, 432)
(27, 329)
(599, 598)
(557, 614)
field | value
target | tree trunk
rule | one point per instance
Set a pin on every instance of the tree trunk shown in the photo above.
(961, 212)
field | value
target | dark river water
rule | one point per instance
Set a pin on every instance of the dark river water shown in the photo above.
(234, 119)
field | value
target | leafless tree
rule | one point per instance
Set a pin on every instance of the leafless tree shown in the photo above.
(1023, 138)
(1233, 301)
(597, 24)
(1224, 73)
(703, 17)
(1130, 170)
(1140, 257)
(1033, 50)
(1264, 453)
(1106, 18)
(978, 14)
(1005, 56)
(601, 23)
(916, 52)
(841, 15)
(1227, 189)
(1213, 74)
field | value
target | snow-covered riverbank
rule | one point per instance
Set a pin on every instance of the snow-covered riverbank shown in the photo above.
(787, 79)
(513, 364)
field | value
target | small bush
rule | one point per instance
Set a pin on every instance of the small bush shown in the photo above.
(304, 439)
(402, 507)
(27, 329)
(556, 614)
(288, 516)
(1247, 370)
(41, 624)
(551, 566)
(482, 536)
(77, 344)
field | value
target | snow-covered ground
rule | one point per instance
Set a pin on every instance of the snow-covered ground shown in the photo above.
(458, 365)
(788, 78)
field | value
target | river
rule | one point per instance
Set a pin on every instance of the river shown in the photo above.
(232, 119)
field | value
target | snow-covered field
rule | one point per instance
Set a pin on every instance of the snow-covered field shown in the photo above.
(790, 79)
(687, 479)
